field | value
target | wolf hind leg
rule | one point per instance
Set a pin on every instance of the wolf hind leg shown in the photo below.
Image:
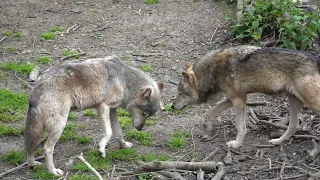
(104, 116)
(294, 109)
(55, 129)
(239, 106)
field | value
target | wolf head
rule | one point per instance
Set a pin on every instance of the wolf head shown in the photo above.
(187, 89)
(146, 104)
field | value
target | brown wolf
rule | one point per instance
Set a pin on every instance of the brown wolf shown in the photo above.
(237, 71)
(102, 83)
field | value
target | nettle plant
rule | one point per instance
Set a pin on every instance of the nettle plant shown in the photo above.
(292, 26)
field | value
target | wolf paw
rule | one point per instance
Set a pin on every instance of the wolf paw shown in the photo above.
(102, 152)
(127, 144)
(275, 141)
(234, 144)
(56, 172)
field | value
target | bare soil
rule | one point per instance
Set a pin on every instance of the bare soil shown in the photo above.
(185, 31)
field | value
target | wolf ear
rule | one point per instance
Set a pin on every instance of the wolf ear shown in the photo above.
(145, 93)
(187, 65)
(160, 86)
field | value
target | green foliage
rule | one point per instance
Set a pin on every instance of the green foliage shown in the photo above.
(48, 35)
(17, 35)
(83, 177)
(13, 105)
(144, 176)
(83, 139)
(281, 19)
(69, 133)
(6, 32)
(40, 172)
(44, 59)
(90, 113)
(169, 108)
(13, 157)
(178, 139)
(10, 131)
(57, 29)
(92, 10)
(122, 112)
(143, 137)
(72, 116)
(146, 68)
(69, 53)
(23, 68)
(11, 49)
(152, 1)
(125, 122)
(96, 161)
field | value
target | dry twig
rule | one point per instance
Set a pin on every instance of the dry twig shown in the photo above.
(211, 154)
(221, 172)
(71, 28)
(2, 39)
(80, 157)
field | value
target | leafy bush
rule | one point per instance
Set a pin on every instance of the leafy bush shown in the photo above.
(280, 19)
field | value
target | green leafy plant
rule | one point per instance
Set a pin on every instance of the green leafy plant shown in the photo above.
(143, 137)
(178, 139)
(44, 59)
(90, 113)
(72, 116)
(13, 105)
(6, 32)
(152, 1)
(13, 157)
(17, 35)
(146, 68)
(23, 68)
(48, 35)
(83, 139)
(10, 131)
(280, 19)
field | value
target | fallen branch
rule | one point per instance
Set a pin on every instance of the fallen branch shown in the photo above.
(264, 122)
(72, 55)
(256, 103)
(172, 82)
(171, 175)
(157, 43)
(2, 39)
(290, 177)
(211, 154)
(306, 137)
(235, 151)
(213, 35)
(263, 145)
(21, 166)
(221, 172)
(207, 166)
(147, 54)
(80, 157)
(70, 28)
(142, 60)
(100, 29)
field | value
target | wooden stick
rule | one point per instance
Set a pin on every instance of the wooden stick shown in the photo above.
(172, 175)
(221, 172)
(200, 175)
(72, 55)
(70, 28)
(211, 154)
(2, 39)
(80, 157)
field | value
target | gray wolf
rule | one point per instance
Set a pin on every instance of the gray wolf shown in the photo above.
(104, 84)
(237, 71)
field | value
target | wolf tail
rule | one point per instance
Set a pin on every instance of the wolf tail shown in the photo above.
(33, 130)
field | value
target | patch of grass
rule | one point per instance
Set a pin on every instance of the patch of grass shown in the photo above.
(148, 157)
(72, 116)
(127, 154)
(178, 139)
(69, 133)
(40, 172)
(57, 29)
(150, 122)
(143, 137)
(44, 59)
(23, 68)
(152, 1)
(146, 68)
(169, 108)
(2, 76)
(11, 49)
(13, 157)
(125, 122)
(17, 35)
(48, 35)
(82, 177)
(6, 32)
(10, 131)
(92, 10)
(163, 44)
(96, 161)
(122, 112)
(13, 105)
(38, 152)
(90, 113)
(68, 53)
(83, 139)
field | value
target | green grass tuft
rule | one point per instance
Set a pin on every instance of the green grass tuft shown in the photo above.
(69, 133)
(169, 108)
(178, 139)
(146, 68)
(143, 137)
(72, 116)
(10, 131)
(44, 59)
(125, 122)
(42, 173)
(57, 29)
(13, 106)
(90, 113)
(68, 53)
(122, 112)
(82, 177)
(6, 32)
(83, 139)
(11, 49)
(92, 10)
(96, 161)
(23, 68)
(17, 35)
(152, 1)
(13, 157)
(48, 35)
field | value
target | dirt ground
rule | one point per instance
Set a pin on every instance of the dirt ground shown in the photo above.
(130, 29)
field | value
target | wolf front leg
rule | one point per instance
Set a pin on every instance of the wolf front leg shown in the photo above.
(239, 105)
(294, 109)
(104, 116)
(210, 125)
(117, 129)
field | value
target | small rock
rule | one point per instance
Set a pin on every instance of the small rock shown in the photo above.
(34, 74)
(174, 68)
(228, 159)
